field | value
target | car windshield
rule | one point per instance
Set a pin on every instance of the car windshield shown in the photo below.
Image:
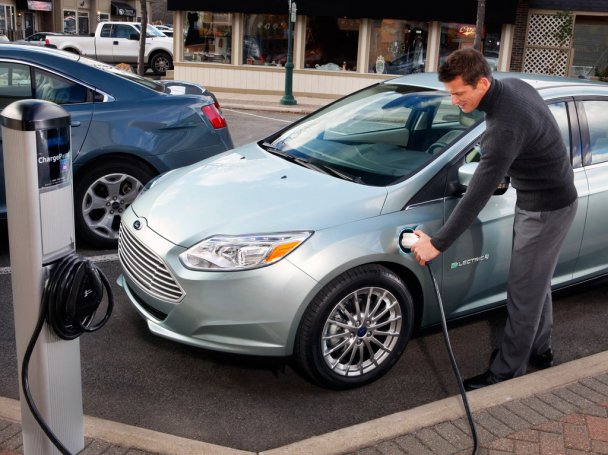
(377, 136)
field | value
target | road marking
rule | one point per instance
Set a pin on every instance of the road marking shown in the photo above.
(258, 116)
(100, 258)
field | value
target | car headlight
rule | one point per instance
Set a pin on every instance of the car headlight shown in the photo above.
(225, 252)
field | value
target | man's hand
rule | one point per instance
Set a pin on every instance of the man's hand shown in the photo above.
(423, 250)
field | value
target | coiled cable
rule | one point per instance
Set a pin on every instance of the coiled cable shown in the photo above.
(71, 296)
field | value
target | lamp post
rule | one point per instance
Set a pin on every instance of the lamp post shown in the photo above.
(288, 96)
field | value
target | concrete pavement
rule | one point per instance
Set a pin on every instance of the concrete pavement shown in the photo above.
(561, 410)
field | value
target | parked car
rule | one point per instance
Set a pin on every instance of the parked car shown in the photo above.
(125, 129)
(165, 29)
(38, 39)
(289, 246)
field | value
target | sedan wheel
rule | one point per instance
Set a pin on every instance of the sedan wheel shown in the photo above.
(101, 197)
(356, 328)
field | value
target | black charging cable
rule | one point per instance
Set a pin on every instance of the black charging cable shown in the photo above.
(407, 238)
(448, 345)
(71, 296)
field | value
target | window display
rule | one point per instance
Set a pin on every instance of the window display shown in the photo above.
(208, 37)
(397, 47)
(457, 36)
(265, 39)
(331, 43)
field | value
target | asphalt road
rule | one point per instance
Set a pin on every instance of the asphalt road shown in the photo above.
(252, 403)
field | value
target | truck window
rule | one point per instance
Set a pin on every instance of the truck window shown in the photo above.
(122, 31)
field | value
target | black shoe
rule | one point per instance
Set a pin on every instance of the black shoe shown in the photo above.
(542, 361)
(481, 380)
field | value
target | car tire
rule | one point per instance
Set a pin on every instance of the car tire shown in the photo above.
(160, 63)
(101, 194)
(337, 345)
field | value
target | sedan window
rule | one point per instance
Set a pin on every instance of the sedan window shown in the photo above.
(51, 87)
(15, 83)
(597, 120)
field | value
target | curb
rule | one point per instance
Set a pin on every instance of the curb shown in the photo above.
(303, 109)
(356, 437)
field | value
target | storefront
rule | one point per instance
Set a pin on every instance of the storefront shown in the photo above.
(339, 46)
(32, 15)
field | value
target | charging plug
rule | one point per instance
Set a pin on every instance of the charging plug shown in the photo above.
(406, 239)
(88, 294)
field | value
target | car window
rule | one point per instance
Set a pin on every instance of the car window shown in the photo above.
(106, 31)
(560, 112)
(379, 135)
(15, 83)
(122, 31)
(51, 87)
(597, 120)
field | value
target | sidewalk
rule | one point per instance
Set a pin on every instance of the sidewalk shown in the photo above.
(561, 410)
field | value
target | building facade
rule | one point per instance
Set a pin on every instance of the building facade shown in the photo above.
(339, 47)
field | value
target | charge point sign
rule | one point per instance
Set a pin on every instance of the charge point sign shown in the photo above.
(54, 158)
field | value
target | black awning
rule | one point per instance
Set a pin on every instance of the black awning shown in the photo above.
(34, 5)
(465, 11)
(122, 9)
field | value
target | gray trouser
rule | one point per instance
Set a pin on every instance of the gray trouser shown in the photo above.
(537, 240)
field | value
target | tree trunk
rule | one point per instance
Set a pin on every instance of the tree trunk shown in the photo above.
(141, 67)
(481, 14)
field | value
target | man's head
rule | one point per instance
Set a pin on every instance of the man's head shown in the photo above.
(467, 76)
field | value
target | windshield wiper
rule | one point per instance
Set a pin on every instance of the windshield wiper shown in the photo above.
(323, 168)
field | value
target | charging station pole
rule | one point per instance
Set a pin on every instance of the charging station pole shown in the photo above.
(38, 179)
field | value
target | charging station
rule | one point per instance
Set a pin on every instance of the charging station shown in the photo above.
(38, 177)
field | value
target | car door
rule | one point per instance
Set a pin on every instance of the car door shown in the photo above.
(475, 268)
(124, 49)
(594, 132)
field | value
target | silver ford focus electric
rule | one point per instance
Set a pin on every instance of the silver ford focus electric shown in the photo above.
(289, 246)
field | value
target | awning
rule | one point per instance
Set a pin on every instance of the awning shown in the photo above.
(463, 11)
(122, 9)
(35, 5)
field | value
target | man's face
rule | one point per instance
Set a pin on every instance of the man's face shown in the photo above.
(467, 97)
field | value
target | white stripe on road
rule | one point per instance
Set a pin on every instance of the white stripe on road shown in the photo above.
(258, 116)
(100, 258)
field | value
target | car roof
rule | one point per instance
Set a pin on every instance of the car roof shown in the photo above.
(74, 67)
(539, 81)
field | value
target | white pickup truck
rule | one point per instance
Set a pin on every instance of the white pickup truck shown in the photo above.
(118, 42)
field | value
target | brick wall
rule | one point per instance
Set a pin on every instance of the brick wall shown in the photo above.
(519, 36)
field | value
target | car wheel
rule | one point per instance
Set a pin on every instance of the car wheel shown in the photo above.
(355, 329)
(160, 63)
(101, 195)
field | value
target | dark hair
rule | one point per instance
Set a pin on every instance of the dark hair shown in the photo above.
(468, 63)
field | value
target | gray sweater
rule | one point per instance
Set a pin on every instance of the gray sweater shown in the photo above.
(522, 140)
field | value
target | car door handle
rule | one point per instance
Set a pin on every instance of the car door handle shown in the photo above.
(75, 124)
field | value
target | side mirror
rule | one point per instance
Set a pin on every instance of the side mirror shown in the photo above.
(134, 36)
(465, 174)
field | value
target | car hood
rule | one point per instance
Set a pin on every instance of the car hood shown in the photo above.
(246, 191)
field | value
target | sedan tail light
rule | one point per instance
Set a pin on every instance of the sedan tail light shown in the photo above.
(215, 116)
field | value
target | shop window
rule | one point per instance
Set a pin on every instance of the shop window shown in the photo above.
(69, 21)
(591, 44)
(83, 23)
(208, 37)
(397, 47)
(265, 39)
(331, 43)
(457, 36)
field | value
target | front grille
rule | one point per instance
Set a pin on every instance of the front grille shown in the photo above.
(146, 268)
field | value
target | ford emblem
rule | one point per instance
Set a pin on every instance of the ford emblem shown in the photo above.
(137, 225)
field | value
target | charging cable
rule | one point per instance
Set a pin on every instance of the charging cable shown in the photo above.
(70, 299)
(406, 239)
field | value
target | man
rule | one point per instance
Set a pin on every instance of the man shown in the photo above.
(522, 140)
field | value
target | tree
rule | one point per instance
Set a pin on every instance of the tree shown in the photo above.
(481, 14)
(141, 68)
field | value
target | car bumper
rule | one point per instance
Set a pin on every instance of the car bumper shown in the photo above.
(247, 312)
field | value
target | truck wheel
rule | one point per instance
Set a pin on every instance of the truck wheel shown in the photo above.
(101, 195)
(355, 329)
(160, 63)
